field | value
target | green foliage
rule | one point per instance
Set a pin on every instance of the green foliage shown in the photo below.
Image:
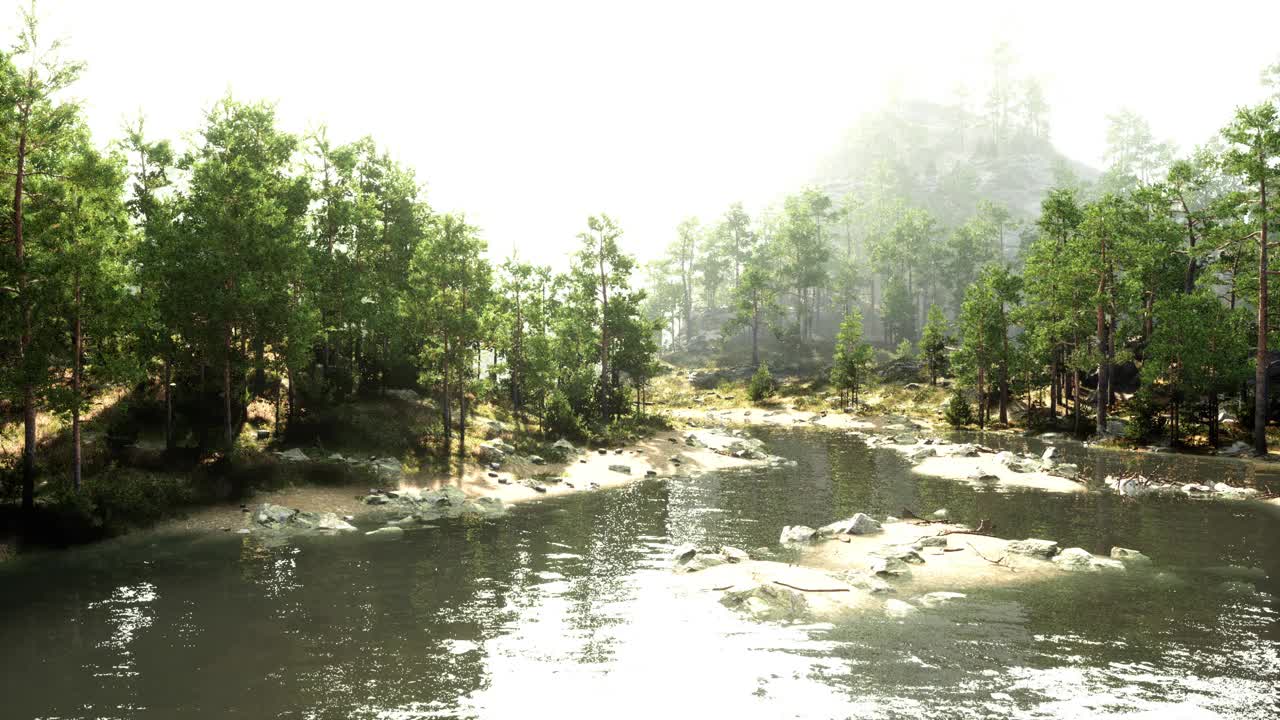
(933, 343)
(761, 385)
(852, 364)
(958, 412)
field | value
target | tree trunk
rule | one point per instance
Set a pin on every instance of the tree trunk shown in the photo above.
(77, 368)
(228, 423)
(1260, 371)
(1004, 369)
(24, 343)
(168, 403)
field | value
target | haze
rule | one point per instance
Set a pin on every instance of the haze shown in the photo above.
(529, 117)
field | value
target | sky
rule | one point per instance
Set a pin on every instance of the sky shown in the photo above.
(530, 116)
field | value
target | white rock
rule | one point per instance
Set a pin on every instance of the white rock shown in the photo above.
(895, 608)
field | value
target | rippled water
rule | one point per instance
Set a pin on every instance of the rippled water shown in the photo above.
(566, 608)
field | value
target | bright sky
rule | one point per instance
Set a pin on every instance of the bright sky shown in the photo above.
(529, 116)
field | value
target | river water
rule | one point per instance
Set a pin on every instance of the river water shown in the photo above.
(566, 608)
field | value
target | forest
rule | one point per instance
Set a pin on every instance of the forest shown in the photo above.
(260, 266)
(959, 238)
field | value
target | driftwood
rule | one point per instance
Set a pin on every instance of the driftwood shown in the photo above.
(999, 562)
(722, 589)
(800, 589)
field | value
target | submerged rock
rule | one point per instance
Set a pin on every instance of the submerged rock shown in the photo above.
(391, 531)
(935, 599)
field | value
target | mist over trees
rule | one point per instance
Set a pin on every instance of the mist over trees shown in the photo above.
(1038, 281)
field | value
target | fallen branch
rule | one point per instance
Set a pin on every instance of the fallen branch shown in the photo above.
(721, 589)
(999, 562)
(800, 589)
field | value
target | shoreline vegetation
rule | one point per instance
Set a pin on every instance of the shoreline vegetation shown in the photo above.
(185, 324)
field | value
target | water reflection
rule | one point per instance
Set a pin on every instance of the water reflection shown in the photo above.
(566, 608)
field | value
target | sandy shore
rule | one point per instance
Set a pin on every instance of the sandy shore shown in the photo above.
(586, 471)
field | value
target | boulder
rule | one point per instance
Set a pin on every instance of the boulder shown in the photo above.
(888, 567)
(1234, 492)
(734, 555)
(905, 553)
(624, 469)
(931, 541)
(403, 394)
(269, 515)
(1237, 449)
(1050, 453)
(768, 602)
(564, 448)
(922, 454)
(1074, 559)
(1129, 556)
(701, 561)
(860, 524)
(1032, 547)
(494, 429)
(895, 608)
(797, 534)
(684, 553)
(905, 439)
(692, 440)
(537, 460)
(490, 453)
(863, 581)
(293, 455)
(940, 514)
(330, 521)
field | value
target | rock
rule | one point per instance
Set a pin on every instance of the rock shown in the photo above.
(797, 534)
(651, 473)
(1049, 453)
(895, 608)
(403, 522)
(1237, 449)
(692, 440)
(922, 453)
(491, 453)
(768, 602)
(860, 524)
(337, 457)
(1129, 556)
(701, 561)
(293, 455)
(984, 477)
(403, 394)
(905, 553)
(1032, 547)
(935, 599)
(494, 429)
(390, 531)
(537, 460)
(931, 541)
(269, 515)
(564, 448)
(1235, 492)
(905, 439)
(1194, 489)
(1015, 463)
(684, 553)
(940, 514)
(1116, 427)
(243, 531)
(961, 450)
(861, 581)
(734, 555)
(330, 521)
(888, 567)
(1081, 559)
(624, 469)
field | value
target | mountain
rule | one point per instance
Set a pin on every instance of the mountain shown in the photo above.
(945, 160)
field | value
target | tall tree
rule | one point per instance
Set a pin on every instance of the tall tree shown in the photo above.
(1254, 136)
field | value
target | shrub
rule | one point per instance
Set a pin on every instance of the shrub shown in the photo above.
(559, 418)
(958, 411)
(761, 385)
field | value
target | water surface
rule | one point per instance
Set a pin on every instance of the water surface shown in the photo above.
(566, 608)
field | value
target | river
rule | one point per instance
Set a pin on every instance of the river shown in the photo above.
(566, 608)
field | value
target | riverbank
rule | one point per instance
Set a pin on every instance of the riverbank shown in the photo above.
(514, 480)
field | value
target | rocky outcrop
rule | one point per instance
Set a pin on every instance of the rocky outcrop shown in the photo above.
(277, 518)
(429, 505)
